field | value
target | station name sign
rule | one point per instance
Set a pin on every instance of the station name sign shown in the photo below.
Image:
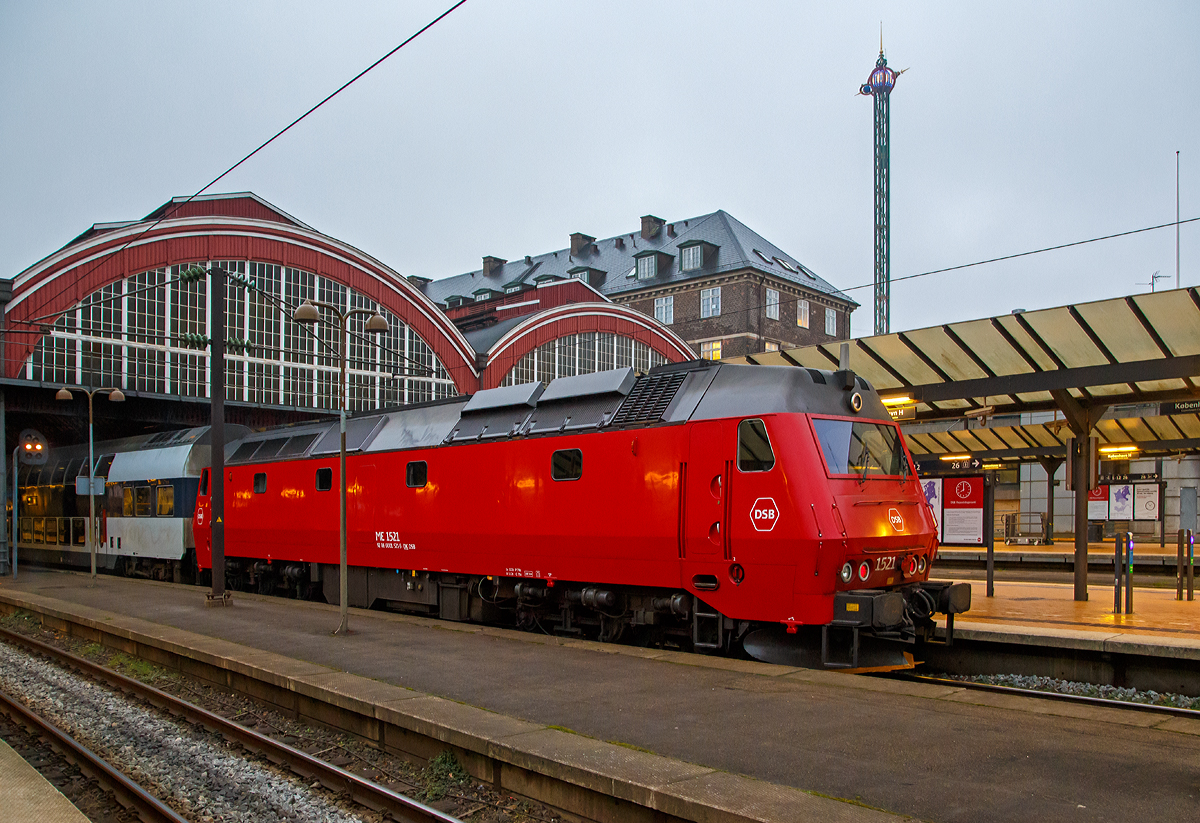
(903, 412)
(1179, 407)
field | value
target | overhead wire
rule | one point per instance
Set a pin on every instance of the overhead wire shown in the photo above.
(174, 207)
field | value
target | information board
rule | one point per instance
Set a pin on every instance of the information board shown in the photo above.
(1120, 501)
(1145, 501)
(1098, 503)
(963, 511)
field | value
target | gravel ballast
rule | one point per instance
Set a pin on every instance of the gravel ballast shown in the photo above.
(1039, 683)
(195, 771)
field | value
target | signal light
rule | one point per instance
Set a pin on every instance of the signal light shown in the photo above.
(864, 570)
(910, 565)
(847, 572)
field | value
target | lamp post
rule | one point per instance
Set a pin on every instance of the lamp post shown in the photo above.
(307, 313)
(116, 396)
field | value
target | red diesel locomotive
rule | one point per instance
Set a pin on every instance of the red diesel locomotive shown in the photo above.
(703, 505)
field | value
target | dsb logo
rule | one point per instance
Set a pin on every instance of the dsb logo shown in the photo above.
(764, 514)
(896, 520)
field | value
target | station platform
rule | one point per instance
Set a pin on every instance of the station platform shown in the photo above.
(1148, 557)
(27, 797)
(742, 739)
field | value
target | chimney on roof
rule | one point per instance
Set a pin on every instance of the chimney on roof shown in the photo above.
(490, 264)
(528, 260)
(579, 242)
(620, 244)
(651, 226)
(670, 230)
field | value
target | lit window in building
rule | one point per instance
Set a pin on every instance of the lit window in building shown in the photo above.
(772, 304)
(664, 310)
(772, 346)
(802, 313)
(711, 350)
(130, 335)
(710, 302)
(831, 322)
(691, 257)
(647, 267)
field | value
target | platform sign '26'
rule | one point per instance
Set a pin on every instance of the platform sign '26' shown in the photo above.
(764, 514)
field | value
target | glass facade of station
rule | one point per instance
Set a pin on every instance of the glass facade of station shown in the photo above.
(582, 354)
(130, 334)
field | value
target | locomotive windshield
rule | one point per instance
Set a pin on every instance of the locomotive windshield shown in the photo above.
(860, 448)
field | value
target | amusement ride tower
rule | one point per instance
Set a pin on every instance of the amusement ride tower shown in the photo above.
(879, 85)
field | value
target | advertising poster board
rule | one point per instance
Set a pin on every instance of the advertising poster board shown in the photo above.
(1098, 503)
(1120, 501)
(963, 511)
(1145, 501)
(932, 486)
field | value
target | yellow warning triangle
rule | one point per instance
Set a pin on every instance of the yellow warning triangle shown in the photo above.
(218, 520)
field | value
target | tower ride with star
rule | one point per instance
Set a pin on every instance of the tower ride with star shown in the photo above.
(879, 85)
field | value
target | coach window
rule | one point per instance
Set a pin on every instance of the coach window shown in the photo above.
(141, 501)
(127, 503)
(260, 482)
(165, 501)
(324, 480)
(417, 474)
(567, 464)
(754, 447)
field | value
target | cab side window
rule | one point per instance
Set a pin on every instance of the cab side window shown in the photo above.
(324, 480)
(754, 447)
(260, 483)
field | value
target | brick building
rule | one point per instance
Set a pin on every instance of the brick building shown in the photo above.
(720, 286)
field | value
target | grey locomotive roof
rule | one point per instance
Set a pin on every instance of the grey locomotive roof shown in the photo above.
(674, 393)
(736, 249)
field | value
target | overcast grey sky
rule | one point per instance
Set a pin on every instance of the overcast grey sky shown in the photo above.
(511, 124)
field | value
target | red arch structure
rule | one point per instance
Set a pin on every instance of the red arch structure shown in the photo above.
(576, 318)
(221, 227)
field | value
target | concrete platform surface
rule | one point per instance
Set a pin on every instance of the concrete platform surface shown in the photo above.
(27, 797)
(937, 753)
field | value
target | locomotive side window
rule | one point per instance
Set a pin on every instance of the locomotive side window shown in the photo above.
(567, 464)
(324, 480)
(165, 501)
(416, 475)
(141, 501)
(754, 447)
(260, 482)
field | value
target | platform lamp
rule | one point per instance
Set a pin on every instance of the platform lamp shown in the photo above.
(115, 396)
(307, 312)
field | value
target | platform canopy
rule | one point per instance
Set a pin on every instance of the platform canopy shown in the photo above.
(1087, 361)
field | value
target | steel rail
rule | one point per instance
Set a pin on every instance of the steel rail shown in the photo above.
(149, 808)
(366, 792)
(1105, 702)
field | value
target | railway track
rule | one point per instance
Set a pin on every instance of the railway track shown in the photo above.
(362, 791)
(1129, 705)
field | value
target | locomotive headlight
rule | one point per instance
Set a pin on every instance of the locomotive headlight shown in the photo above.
(921, 565)
(847, 572)
(910, 566)
(864, 570)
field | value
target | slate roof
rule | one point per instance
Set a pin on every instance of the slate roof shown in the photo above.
(738, 247)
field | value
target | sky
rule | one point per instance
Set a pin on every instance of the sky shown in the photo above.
(510, 125)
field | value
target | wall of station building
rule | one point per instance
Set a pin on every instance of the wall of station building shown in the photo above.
(129, 334)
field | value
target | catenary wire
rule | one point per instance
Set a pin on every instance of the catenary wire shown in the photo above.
(172, 208)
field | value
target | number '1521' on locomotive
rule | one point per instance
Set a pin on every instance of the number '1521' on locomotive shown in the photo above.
(704, 506)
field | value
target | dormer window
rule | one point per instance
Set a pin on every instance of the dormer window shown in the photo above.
(647, 267)
(695, 255)
(651, 264)
(455, 300)
(764, 258)
(483, 294)
(512, 289)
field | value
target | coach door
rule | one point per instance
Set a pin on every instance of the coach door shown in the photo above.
(706, 544)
